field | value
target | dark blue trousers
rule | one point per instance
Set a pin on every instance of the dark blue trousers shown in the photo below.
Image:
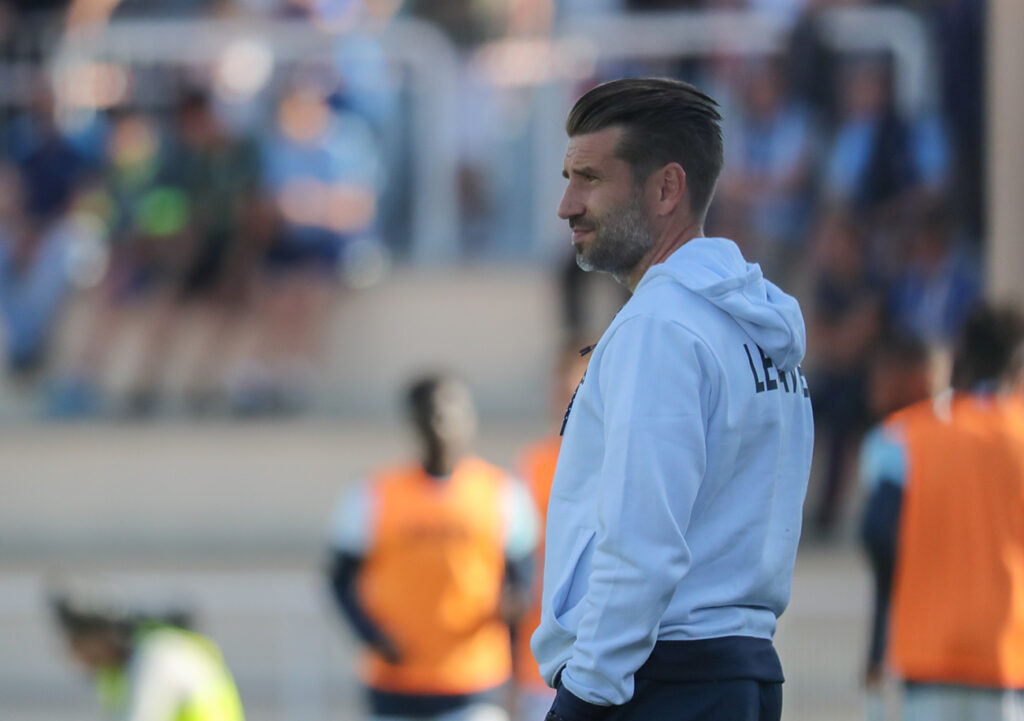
(740, 700)
(732, 678)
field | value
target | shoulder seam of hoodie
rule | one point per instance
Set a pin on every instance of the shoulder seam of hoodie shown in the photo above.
(693, 334)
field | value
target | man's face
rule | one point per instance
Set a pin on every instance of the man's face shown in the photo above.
(604, 205)
(448, 419)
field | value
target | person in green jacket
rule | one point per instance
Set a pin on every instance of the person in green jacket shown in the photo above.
(149, 668)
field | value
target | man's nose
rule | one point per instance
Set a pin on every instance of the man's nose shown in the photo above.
(570, 206)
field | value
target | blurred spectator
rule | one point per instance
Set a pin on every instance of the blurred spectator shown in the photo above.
(220, 174)
(34, 268)
(939, 282)
(322, 172)
(144, 224)
(767, 171)
(51, 166)
(812, 65)
(46, 172)
(946, 480)
(148, 667)
(430, 561)
(879, 160)
(185, 239)
(845, 322)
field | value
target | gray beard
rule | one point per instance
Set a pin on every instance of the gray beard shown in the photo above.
(620, 242)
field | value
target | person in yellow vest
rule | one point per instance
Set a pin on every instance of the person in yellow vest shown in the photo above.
(148, 668)
(947, 504)
(431, 560)
(533, 696)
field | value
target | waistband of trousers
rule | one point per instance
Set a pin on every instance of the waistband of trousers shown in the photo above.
(727, 658)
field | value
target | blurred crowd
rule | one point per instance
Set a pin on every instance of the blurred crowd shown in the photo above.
(230, 233)
(235, 233)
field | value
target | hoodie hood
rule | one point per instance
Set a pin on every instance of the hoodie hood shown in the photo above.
(714, 269)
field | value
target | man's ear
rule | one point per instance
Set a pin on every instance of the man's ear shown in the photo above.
(670, 188)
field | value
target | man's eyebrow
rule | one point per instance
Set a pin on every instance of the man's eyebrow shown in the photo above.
(585, 170)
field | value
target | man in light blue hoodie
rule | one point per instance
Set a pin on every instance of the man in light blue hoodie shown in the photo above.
(676, 506)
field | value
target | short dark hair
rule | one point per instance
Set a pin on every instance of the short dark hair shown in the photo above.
(664, 121)
(988, 347)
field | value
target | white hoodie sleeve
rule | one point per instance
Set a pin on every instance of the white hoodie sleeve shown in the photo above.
(654, 392)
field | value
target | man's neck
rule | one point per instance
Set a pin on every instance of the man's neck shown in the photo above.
(668, 243)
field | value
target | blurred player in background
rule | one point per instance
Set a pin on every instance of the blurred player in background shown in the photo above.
(431, 562)
(902, 372)
(947, 503)
(149, 668)
(533, 697)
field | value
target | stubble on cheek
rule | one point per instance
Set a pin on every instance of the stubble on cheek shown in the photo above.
(618, 242)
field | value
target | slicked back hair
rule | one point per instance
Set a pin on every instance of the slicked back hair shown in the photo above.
(664, 121)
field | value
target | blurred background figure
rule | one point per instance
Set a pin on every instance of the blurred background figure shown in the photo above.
(431, 563)
(322, 175)
(182, 223)
(34, 265)
(903, 371)
(533, 697)
(845, 320)
(812, 65)
(148, 667)
(143, 224)
(768, 168)
(882, 163)
(42, 172)
(943, 532)
(50, 164)
(218, 171)
(939, 282)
